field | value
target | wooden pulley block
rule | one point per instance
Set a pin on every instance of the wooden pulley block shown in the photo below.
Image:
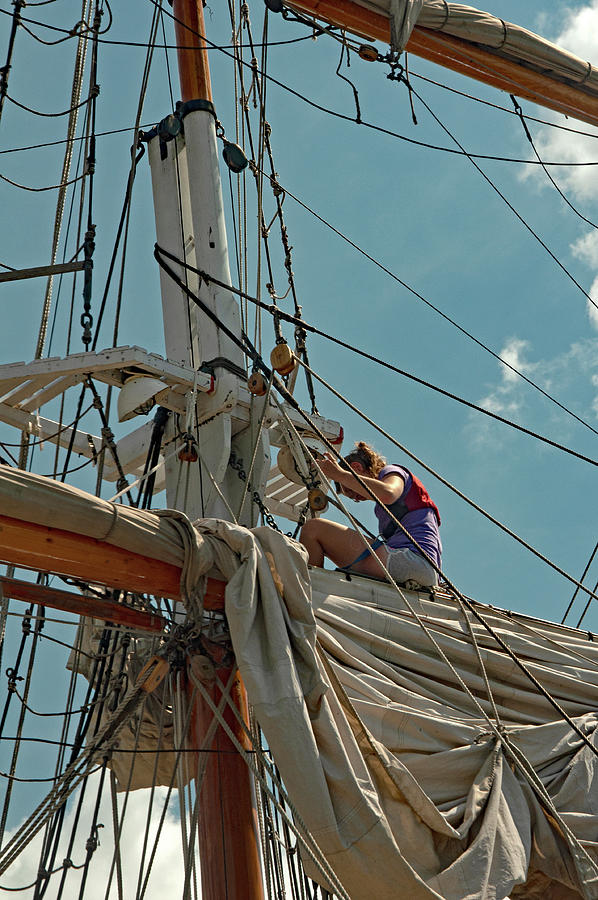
(256, 384)
(188, 452)
(203, 668)
(317, 500)
(283, 359)
(288, 466)
(368, 52)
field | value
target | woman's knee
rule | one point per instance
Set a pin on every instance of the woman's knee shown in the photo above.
(311, 529)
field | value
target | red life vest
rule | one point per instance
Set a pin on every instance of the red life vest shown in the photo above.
(416, 497)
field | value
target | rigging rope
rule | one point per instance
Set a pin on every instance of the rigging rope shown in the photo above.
(246, 347)
(497, 190)
(5, 69)
(437, 310)
(368, 125)
(519, 113)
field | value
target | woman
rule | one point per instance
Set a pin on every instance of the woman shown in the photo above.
(396, 488)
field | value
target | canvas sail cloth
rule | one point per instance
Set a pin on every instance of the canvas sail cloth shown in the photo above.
(394, 771)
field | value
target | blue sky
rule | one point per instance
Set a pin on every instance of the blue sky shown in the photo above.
(426, 215)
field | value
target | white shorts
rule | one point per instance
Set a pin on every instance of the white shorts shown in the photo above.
(406, 565)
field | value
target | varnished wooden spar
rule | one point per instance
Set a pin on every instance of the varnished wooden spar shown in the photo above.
(67, 601)
(60, 552)
(463, 57)
(194, 69)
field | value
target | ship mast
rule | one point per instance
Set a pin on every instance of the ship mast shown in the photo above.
(190, 223)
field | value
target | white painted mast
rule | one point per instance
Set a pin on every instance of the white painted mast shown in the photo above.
(190, 224)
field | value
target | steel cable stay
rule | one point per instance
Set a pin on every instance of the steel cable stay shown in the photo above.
(369, 125)
(576, 591)
(287, 317)
(5, 69)
(64, 141)
(521, 117)
(145, 841)
(56, 824)
(502, 738)
(77, 770)
(586, 608)
(466, 606)
(123, 232)
(295, 823)
(72, 33)
(320, 31)
(504, 109)
(455, 490)
(98, 685)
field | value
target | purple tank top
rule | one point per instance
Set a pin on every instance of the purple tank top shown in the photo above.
(421, 524)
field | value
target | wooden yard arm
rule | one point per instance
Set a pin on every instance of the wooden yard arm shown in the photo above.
(61, 552)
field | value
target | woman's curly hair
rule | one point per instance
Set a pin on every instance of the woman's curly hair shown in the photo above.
(371, 461)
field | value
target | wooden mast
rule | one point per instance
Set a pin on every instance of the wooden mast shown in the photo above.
(461, 56)
(229, 844)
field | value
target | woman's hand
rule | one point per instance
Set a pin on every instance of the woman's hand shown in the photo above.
(330, 467)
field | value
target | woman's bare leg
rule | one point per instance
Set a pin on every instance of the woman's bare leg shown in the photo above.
(341, 545)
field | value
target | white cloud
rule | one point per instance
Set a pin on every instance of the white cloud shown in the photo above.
(513, 355)
(586, 248)
(579, 33)
(167, 872)
(592, 309)
(595, 403)
(575, 370)
(504, 399)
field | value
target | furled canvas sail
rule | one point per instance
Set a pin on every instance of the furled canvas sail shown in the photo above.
(508, 40)
(399, 738)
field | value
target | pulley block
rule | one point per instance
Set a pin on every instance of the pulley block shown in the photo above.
(368, 52)
(283, 359)
(234, 157)
(317, 500)
(188, 452)
(256, 384)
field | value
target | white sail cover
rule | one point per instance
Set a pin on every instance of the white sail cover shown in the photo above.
(397, 774)
(403, 16)
(506, 39)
